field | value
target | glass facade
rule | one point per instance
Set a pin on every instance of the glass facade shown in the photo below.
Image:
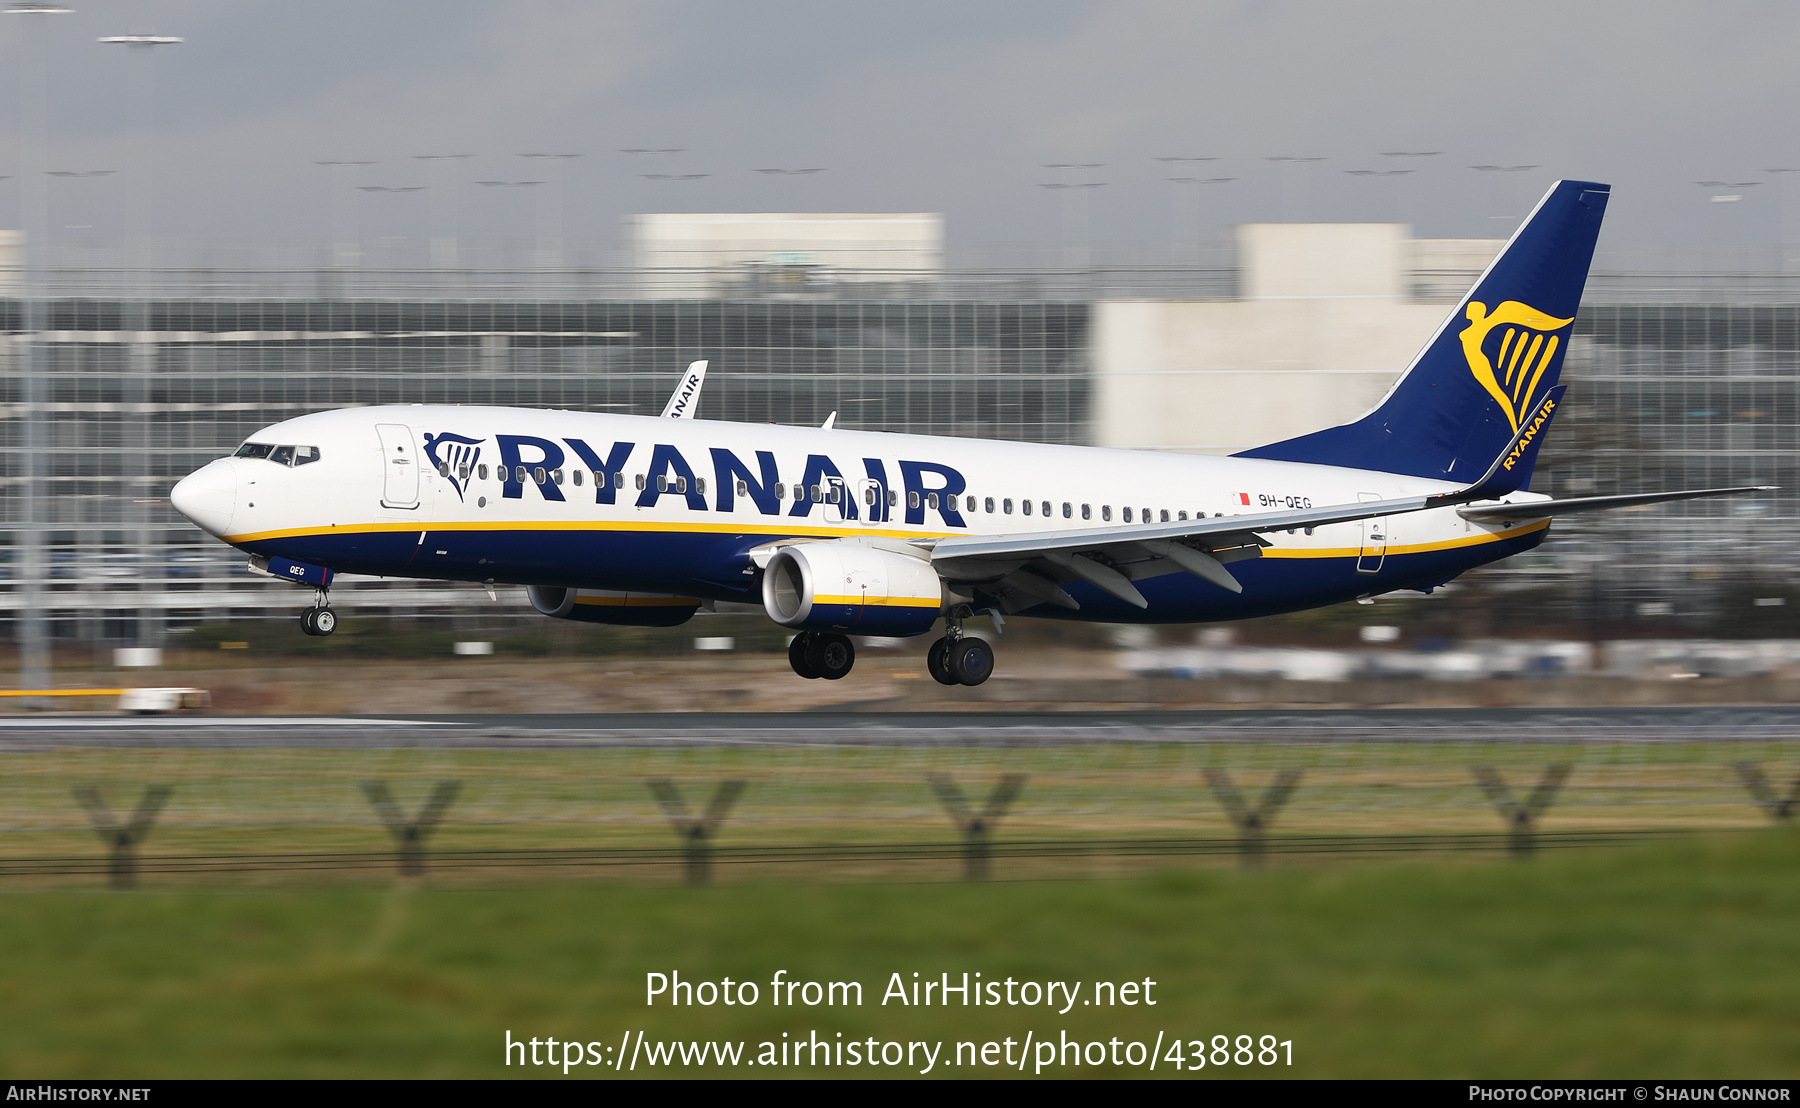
(1679, 379)
(131, 408)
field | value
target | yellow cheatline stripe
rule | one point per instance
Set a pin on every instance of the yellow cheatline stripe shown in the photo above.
(638, 601)
(811, 532)
(1394, 548)
(588, 525)
(63, 692)
(882, 601)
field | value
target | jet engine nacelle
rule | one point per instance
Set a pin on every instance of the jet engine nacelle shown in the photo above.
(628, 609)
(845, 586)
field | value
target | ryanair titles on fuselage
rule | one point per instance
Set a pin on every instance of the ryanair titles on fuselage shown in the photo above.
(523, 460)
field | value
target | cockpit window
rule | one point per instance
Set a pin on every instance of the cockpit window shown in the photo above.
(281, 455)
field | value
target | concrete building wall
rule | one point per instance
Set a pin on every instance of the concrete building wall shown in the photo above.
(12, 262)
(719, 254)
(1327, 323)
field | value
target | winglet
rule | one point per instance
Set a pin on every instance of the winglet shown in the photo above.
(686, 397)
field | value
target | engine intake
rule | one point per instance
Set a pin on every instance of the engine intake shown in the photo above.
(627, 609)
(844, 586)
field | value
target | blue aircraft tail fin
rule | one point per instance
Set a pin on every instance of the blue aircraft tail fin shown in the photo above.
(1487, 371)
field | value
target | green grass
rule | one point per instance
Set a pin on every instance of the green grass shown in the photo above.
(1680, 959)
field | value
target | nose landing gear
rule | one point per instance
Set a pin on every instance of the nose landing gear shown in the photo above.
(815, 654)
(959, 660)
(319, 619)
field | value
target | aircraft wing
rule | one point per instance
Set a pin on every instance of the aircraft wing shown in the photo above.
(1038, 564)
(1540, 509)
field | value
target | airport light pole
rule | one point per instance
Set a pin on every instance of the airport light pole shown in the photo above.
(676, 279)
(397, 262)
(1074, 208)
(341, 187)
(1173, 164)
(142, 482)
(550, 210)
(1732, 198)
(85, 203)
(1414, 188)
(1781, 230)
(1392, 177)
(1292, 210)
(1502, 175)
(443, 208)
(537, 199)
(34, 646)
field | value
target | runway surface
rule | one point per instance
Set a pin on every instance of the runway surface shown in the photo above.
(883, 728)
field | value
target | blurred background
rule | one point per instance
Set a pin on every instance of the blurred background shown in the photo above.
(1068, 231)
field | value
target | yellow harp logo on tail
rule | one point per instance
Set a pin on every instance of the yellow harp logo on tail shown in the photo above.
(1524, 349)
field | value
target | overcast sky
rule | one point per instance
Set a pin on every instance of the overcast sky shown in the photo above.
(926, 105)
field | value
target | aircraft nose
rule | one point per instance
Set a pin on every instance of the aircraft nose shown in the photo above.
(208, 496)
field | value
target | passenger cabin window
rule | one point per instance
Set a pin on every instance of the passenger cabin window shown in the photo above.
(990, 505)
(1065, 510)
(1165, 515)
(619, 480)
(1128, 515)
(481, 473)
(1046, 507)
(893, 498)
(1006, 505)
(743, 487)
(1106, 512)
(931, 500)
(912, 500)
(1025, 506)
(971, 502)
(556, 476)
(1087, 512)
(575, 475)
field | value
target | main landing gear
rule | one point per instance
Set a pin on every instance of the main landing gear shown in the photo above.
(821, 654)
(319, 619)
(956, 660)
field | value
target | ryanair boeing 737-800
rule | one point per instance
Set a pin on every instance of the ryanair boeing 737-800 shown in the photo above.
(617, 519)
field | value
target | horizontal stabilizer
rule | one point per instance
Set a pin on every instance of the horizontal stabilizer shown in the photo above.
(1539, 509)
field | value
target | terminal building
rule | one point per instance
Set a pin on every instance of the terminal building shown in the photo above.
(1684, 371)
